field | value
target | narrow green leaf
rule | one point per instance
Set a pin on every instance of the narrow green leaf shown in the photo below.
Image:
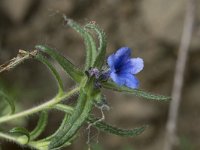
(104, 126)
(92, 51)
(21, 132)
(136, 92)
(44, 143)
(52, 69)
(75, 121)
(42, 122)
(75, 73)
(3, 107)
(8, 100)
(102, 44)
(114, 130)
(60, 129)
(88, 40)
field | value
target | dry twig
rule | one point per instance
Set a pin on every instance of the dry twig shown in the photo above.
(171, 138)
(21, 57)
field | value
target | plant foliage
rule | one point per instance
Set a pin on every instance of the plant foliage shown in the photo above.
(89, 84)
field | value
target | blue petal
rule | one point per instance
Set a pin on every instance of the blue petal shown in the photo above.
(132, 81)
(117, 79)
(133, 66)
(126, 79)
(123, 52)
(121, 56)
(111, 61)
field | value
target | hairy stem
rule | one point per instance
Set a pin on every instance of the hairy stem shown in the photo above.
(21, 141)
(8, 137)
(41, 107)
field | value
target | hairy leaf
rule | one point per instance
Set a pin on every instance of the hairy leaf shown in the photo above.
(114, 130)
(4, 107)
(102, 44)
(75, 73)
(75, 121)
(88, 40)
(8, 100)
(52, 69)
(61, 127)
(42, 122)
(44, 143)
(104, 126)
(136, 92)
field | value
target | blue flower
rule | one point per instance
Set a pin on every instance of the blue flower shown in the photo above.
(123, 68)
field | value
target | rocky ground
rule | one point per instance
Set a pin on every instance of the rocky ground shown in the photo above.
(151, 28)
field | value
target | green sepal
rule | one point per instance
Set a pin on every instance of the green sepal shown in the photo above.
(8, 100)
(21, 132)
(136, 92)
(75, 73)
(114, 130)
(42, 122)
(88, 40)
(53, 71)
(102, 44)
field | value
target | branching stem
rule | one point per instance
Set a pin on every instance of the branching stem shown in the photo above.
(41, 107)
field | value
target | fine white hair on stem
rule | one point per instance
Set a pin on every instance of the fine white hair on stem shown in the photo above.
(171, 137)
(103, 107)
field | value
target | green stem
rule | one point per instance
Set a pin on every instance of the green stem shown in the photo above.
(41, 107)
(8, 137)
(65, 108)
(20, 142)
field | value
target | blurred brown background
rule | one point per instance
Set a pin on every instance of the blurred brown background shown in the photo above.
(152, 28)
